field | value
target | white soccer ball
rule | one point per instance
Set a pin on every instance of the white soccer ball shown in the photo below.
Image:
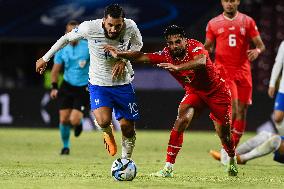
(123, 169)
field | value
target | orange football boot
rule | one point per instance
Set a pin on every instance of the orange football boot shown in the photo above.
(215, 154)
(110, 143)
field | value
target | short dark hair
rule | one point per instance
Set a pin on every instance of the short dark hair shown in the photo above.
(114, 11)
(73, 23)
(174, 30)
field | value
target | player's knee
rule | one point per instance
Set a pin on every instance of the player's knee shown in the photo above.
(278, 118)
(64, 120)
(181, 123)
(103, 122)
(75, 120)
(266, 134)
(275, 141)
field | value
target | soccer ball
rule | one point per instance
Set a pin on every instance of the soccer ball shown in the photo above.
(123, 169)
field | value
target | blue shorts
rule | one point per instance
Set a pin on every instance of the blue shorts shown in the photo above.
(279, 102)
(120, 98)
(277, 156)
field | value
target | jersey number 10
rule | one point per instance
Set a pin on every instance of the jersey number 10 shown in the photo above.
(232, 40)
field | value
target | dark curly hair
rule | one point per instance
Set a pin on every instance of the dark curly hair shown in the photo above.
(174, 30)
(114, 11)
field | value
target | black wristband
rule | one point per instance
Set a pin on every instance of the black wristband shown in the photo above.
(54, 85)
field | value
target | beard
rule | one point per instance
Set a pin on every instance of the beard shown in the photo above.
(110, 37)
(178, 53)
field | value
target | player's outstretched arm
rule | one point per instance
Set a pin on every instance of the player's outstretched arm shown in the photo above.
(60, 43)
(40, 65)
(135, 56)
(198, 62)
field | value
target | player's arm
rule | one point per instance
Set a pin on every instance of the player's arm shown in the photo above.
(259, 48)
(209, 45)
(210, 39)
(56, 68)
(277, 67)
(135, 56)
(75, 34)
(135, 45)
(198, 62)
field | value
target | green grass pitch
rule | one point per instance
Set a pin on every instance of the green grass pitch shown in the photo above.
(29, 158)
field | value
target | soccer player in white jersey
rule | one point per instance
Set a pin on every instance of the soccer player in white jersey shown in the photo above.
(278, 113)
(265, 142)
(109, 78)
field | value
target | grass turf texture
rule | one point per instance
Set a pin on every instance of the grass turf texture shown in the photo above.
(29, 158)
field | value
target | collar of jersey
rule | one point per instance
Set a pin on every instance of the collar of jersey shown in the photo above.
(231, 19)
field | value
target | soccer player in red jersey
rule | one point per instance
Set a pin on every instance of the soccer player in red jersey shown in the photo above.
(189, 63)
(232, 33)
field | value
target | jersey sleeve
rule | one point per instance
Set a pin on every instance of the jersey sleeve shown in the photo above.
(209, 32)
(136, 38)
(157, 57)
(75, 34)
(80, 32)
(253, 30)
(278, 65)
(58, 57)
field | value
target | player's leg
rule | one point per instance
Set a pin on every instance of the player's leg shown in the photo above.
(81, 99)
(278, 116)
(239, 123)
(186, 112)
(128, 137)
(101, 106)
(65, 102)
(222, 155)
(126, 111)
(278, 113)
(244, 97)
(185, 115)
(241, 93)
(76, 117)
(103, 119)
(279, 153)
(224, 133)
(270, 145)
(243, 148)
(64, 128)
(221, 111)
(253, 142)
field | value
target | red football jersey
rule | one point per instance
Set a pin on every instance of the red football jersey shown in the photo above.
(232, 38)
(205, 80)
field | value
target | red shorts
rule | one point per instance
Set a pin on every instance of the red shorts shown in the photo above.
(218, 101)
(240, 84)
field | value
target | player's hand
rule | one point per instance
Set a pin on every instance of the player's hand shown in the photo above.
(252, 54)
(168, 66)
(271, 92)
(118, 70)
(113, 51)
(40, 66)
(53, 93)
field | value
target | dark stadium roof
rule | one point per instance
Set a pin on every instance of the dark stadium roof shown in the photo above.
(47, 19)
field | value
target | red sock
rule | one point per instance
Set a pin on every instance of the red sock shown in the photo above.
(174, 145)
(238, 130)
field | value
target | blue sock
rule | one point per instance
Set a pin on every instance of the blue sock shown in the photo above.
(65, 134)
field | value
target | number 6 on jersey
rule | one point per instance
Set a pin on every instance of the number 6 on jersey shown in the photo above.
(232, 40)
